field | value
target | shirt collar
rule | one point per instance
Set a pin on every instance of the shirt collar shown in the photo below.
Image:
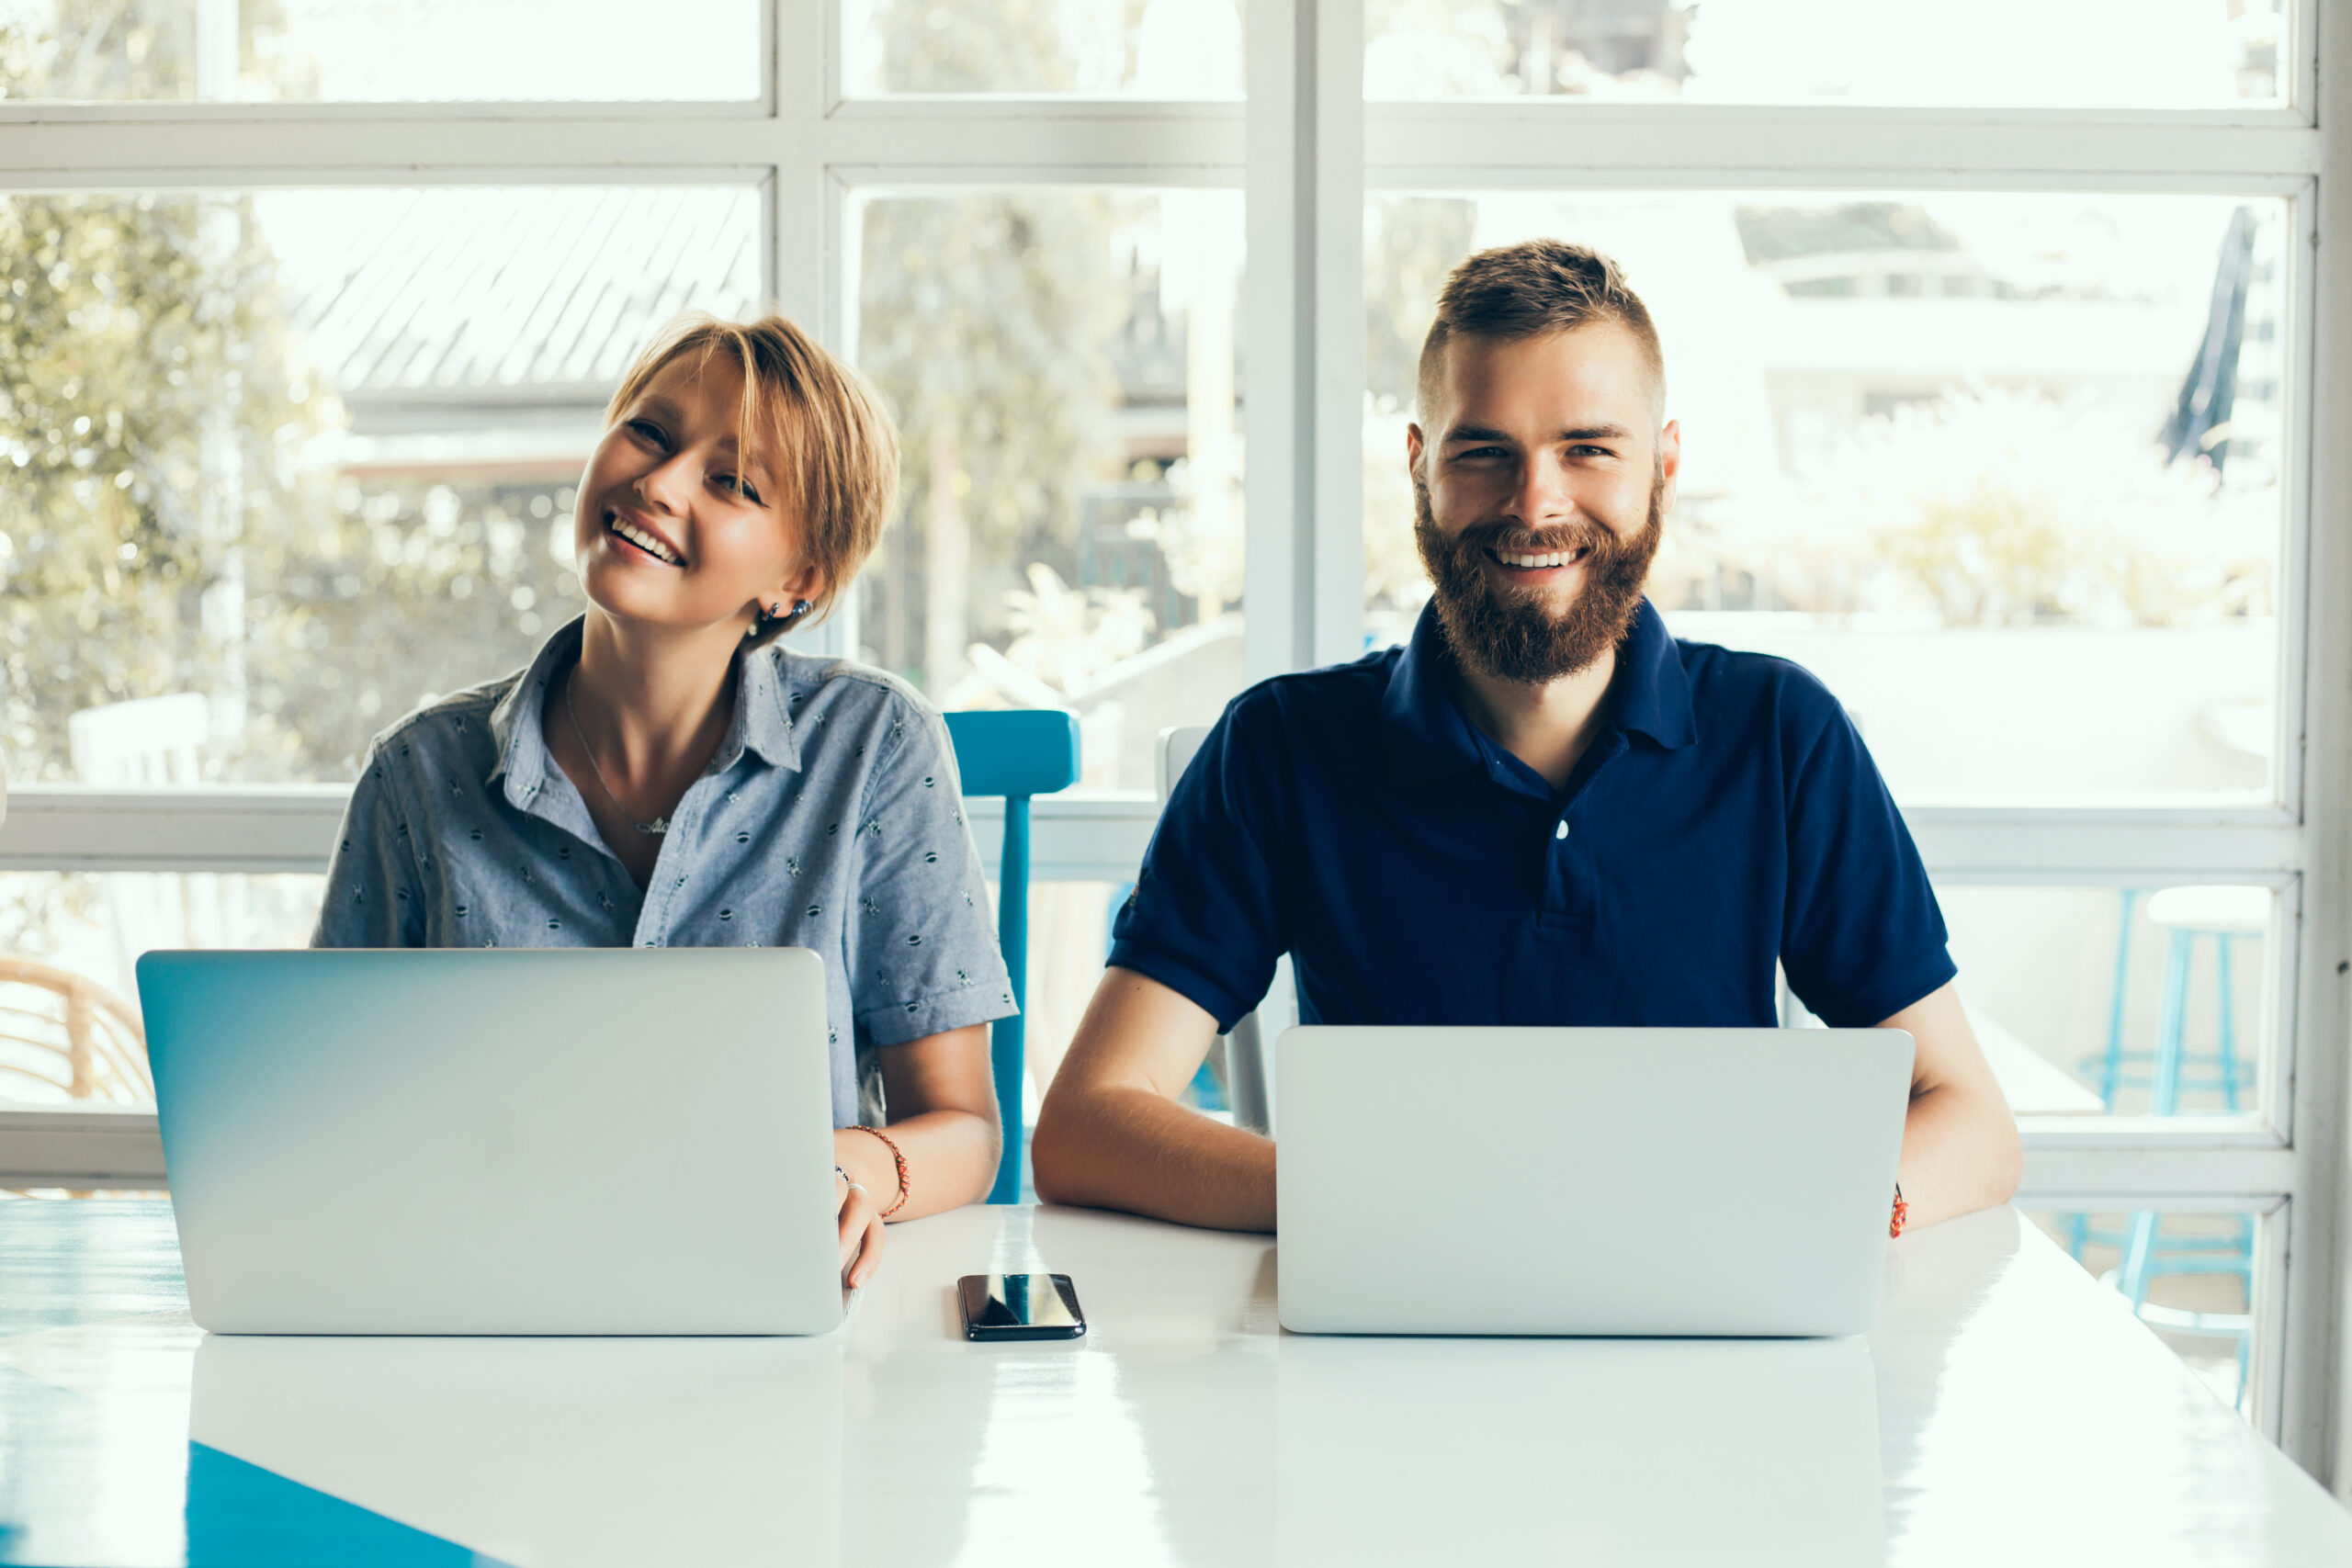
(1426, 735)
(761, 722)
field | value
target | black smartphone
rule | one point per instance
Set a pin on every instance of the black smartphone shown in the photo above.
(1020, 1306)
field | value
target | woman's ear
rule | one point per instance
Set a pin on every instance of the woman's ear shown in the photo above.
(796, 594)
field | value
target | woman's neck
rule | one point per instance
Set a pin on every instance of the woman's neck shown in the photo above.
(654, 702)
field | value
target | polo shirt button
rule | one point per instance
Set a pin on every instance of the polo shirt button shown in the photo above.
(1561, 831)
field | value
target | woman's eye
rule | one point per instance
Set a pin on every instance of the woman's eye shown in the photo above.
(740, 486)
(647, 429)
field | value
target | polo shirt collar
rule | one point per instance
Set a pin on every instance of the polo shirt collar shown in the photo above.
(1426, 736)
(1651, 691)
(761, 722)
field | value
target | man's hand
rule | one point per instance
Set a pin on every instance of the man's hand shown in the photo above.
(1110, 1133)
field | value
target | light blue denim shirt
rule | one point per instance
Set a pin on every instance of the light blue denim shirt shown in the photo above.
(831, 817)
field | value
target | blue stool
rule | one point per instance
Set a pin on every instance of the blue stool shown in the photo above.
(1017, 753)
(2189, 915)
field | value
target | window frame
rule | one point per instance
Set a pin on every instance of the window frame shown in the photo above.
(1306, 148)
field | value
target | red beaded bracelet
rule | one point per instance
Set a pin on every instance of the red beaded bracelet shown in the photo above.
(1901, 1213)
(896, 1158)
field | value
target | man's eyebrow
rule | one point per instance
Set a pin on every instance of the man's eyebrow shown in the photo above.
(1581, 433)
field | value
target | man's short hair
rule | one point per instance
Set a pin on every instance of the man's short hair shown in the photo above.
(1530, 290)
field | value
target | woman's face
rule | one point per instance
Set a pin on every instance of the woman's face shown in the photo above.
(677, 528)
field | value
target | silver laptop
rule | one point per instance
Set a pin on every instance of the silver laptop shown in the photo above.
(499, 1141)
(1602, 1182)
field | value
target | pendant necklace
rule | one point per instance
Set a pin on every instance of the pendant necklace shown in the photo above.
(660, 825)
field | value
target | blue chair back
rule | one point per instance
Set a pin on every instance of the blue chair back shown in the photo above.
(1015, 754)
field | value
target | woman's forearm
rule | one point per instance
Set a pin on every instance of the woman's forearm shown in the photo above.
(951, 1160)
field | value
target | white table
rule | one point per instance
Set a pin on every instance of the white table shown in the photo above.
(2007, 1410)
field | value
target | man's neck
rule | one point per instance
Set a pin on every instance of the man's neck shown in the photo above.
(1548, 725)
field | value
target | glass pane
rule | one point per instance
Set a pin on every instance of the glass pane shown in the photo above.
(2191, 1275)
(1141, 48)
(56, 927)
(1062, 366)
(378, 50)
(306, 456)
(2147, 1000)
(2003, 470)
(2173, 55)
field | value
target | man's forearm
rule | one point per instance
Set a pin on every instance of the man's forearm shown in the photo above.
(1132, 1150)
(1959, 1155)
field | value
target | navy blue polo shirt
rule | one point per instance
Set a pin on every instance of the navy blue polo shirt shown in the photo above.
(1726, 817)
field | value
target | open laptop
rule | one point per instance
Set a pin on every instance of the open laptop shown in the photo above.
(499, 1141)
(1611, 1181)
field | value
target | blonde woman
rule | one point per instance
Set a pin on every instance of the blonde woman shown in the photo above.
(665, 773)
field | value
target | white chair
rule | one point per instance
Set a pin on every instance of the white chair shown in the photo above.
(1249, 1049)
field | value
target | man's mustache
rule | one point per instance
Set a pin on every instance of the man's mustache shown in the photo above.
(1518, 539)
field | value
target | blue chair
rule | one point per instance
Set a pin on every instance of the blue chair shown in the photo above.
(1016, 753)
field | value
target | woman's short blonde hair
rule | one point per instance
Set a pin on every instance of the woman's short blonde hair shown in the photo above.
(821, 426)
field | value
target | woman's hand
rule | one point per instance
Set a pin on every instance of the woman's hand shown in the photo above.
(861, 1230)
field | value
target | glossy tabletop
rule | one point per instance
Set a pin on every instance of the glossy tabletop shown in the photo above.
(2005, 1408)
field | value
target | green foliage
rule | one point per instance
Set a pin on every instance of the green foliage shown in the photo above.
(983, 319)
(139, 346)
(135, 49)
(164, 526)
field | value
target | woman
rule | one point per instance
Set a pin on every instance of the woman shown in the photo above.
(664, 774)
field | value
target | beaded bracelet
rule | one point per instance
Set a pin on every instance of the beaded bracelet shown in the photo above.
(896, 1158)
(1893, 1227)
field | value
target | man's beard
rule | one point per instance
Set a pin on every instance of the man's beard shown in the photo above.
(1511, 634)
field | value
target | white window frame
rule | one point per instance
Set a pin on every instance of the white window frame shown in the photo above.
(1306, 148)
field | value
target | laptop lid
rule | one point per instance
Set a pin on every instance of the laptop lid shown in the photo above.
(499, 1141)
(1625, 1181)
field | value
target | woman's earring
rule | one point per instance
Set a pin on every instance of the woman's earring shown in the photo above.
(801, 607)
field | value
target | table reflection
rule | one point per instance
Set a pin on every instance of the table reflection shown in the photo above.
(571, 1451)
(1406, 1451)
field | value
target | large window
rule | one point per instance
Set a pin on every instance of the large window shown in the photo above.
(1999, 333)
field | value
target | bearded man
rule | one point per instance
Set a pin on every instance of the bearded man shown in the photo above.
(1545, 810)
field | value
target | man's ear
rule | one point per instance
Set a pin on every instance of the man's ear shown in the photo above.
(1414, 444)
(1669, 463)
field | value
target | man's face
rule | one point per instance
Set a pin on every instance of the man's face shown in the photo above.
(1539, 489)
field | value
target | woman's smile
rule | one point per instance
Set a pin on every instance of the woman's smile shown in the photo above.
(637, 531)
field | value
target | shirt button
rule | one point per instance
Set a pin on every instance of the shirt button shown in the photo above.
(1561, 831)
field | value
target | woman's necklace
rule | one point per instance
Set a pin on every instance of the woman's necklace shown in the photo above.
(659, 824)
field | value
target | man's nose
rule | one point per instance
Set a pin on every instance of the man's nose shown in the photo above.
(1540, 497)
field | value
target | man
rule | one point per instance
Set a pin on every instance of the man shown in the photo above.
(1546, 810)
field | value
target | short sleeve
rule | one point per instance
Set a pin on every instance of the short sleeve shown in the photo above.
(1863, 936)
(922, 955)
(1204, 918)
(372, 897)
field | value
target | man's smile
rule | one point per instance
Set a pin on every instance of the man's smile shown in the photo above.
(1526, 566)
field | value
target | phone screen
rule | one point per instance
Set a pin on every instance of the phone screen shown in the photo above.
(1020, 1306)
